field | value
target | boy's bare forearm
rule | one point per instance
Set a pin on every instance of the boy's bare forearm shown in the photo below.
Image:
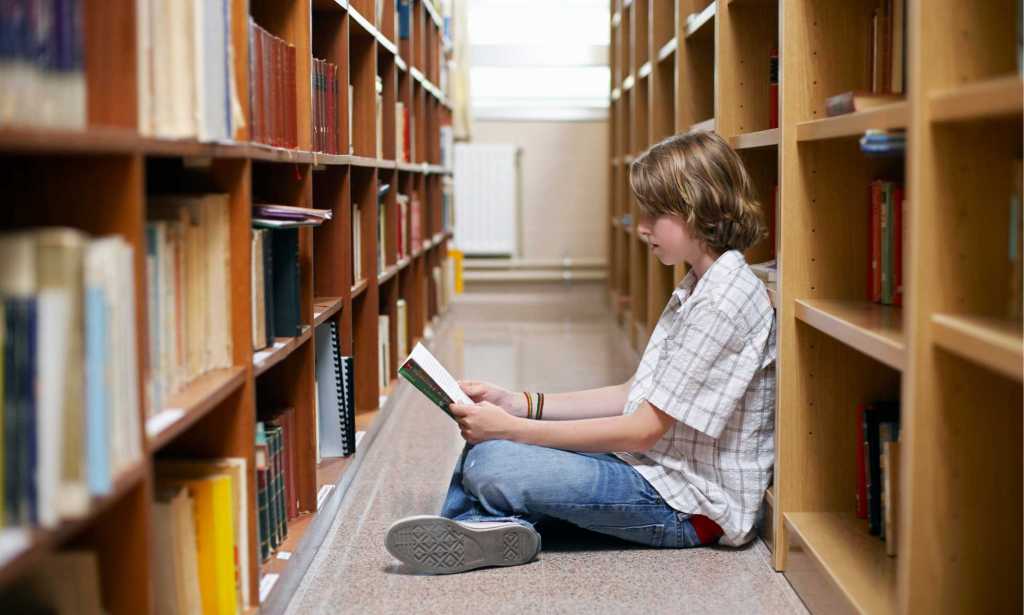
(587, 404)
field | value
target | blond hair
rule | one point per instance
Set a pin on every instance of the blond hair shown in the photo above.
(698, 177)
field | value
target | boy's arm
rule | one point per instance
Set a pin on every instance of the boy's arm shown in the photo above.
(635, 432)
(591, 403)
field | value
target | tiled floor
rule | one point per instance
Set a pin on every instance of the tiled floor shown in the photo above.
(555, 340)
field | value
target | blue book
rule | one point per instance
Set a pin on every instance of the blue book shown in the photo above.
(97, 435)
(404, 18)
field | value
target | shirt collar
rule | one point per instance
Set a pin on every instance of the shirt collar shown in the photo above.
(729, 261)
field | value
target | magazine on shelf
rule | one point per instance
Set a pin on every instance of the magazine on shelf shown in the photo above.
(431, 378)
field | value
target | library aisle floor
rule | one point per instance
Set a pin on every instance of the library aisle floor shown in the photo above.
(559, 339)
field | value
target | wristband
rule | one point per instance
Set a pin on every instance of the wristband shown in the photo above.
(529, 405)
(540, 405)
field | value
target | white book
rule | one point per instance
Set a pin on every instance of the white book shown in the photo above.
(427, 374)
(53, 333)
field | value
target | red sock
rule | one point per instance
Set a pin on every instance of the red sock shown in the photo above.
(707, 530)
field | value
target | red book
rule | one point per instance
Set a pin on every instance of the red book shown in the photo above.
(291, 91)
(258, 127)
(875, 253)
(862, 475)
(897, 245)
(773, 88)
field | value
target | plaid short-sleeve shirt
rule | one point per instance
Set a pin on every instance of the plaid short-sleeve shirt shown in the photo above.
(710, 364)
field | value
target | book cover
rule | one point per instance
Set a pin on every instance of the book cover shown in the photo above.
(886, 230)
(287, 318)
(773, 88)
(875, 414)
(862, 485)
(875, 238)
(897, 244)
(891, 451)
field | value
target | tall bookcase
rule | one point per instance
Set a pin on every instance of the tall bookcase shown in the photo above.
(950, 354)
(97, 179)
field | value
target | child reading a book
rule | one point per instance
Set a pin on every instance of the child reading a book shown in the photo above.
(678, 456)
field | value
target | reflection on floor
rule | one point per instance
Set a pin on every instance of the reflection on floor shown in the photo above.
(556, 339)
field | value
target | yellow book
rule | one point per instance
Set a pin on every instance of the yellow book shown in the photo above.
(214, 542)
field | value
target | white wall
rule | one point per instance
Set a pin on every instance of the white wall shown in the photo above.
(565, 185)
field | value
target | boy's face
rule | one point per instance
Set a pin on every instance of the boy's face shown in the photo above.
(669, 238)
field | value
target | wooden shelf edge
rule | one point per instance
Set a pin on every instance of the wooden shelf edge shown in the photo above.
(283, 346)
(359, 287)
(851, 559)
(668, 49)
(628, 82)
(1001, 96)
(645, 70)
(754, 140)
(871, 336)
(40, 541)
(324, 308)
(695, 22)
(388, 273)
(995, 344)
(186, 407)
(889, 116)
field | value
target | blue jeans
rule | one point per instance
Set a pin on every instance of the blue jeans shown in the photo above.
(500, 480)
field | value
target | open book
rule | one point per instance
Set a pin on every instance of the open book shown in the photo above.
(432, 379)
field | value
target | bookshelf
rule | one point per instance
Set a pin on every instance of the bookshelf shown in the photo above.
(950, 354)
(99, 179)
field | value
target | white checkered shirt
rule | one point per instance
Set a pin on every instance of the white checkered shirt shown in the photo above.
(710, 364)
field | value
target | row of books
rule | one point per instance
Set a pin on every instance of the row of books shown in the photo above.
(886, 229)
(187, 284)
(186, 83)
(200, 533)
(276, 498)
(878, 464)
(275, 285)
(410, 230)
(67, 319)
(42, 63)
(325, 107)
(272, 89)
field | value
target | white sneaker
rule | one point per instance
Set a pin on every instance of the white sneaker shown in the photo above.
(429, 544)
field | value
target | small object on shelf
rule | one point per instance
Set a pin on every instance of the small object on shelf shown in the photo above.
(855, 101)
(884, 142)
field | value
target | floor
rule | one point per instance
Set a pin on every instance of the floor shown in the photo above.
(552, 339)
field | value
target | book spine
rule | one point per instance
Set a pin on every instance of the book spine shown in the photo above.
(282, 508)
(875, 266)
(264, 513)
(897, 245)
(862, 472)
(886, 243)
(773, 88)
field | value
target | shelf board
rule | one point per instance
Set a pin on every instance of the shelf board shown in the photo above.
(990, 342)
(388, 273)
(23, 547)
(1002, 96)
(434, 15)
(707, 125)
(376, 163)
(400, 63)
(628, 82)
(359, 287)
(283, 346)
(616, 19)
(668, 49)
(875, 330)
(894, 115)
(645, 71)
(258, 151)
(839, 547)
(404, 262)
(769, 495)
(754, 140)
(186, 407)
(698, 23)
(616, 94)
(324, 308)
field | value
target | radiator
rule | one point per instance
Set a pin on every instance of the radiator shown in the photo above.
(487, 198)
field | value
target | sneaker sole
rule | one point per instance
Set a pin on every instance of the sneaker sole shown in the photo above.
(436, 545)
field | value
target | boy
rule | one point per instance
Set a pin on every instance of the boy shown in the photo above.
(696, 419)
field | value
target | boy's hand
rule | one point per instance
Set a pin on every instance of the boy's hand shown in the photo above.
(513, 403)
(483, 421)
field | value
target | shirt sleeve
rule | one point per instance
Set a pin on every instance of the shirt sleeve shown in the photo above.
(703, 372)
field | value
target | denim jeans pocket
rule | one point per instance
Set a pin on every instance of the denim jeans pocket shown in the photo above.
(652, 535)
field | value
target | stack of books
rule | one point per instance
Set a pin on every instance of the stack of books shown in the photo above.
(200, 530)
(287, 216)
(272, 89)
(42, 64)
(325, 107)
(275, 285)
(886, 230)
(188, 268)
(67, 319)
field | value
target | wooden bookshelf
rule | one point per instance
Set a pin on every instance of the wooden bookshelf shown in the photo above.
(98, 179)
(951, 355)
